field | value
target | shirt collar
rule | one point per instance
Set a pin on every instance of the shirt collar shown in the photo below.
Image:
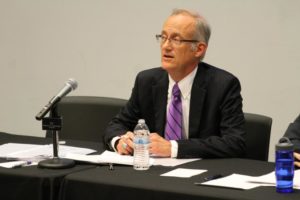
(185, 85)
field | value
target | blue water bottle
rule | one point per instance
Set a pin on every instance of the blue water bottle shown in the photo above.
(284, 168)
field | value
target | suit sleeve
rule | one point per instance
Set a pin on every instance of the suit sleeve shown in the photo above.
(125, 120)
(293, 133)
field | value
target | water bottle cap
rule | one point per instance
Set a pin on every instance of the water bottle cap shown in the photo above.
(284, 144)
(141, 121)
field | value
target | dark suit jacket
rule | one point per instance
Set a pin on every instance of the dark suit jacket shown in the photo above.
(216, 120)
(293, 133)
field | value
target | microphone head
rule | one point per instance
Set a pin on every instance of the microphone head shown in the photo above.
(73, 83)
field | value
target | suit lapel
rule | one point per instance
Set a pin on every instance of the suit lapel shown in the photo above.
(160, 92)
(197, 100)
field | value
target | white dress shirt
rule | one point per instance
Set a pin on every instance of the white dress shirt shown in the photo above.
(185, 86)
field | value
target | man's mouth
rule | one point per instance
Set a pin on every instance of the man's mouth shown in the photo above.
(168, 56)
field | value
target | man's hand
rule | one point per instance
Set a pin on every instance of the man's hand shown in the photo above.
(125, 144)
(297, 159)
(159, 146)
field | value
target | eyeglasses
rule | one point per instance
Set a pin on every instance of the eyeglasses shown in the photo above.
(162, 39)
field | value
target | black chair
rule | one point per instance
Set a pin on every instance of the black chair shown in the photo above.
(258, 131)
(86, 117)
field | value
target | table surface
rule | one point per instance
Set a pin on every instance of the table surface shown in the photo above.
(89, 182)
(125, 183)
(32, 182)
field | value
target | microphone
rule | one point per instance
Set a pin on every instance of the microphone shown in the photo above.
(70, 85)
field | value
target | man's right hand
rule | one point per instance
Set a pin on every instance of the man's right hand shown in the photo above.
(125, 144)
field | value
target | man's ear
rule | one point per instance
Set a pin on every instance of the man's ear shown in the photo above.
(200, 50)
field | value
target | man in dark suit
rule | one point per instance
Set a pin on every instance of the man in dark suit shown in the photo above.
(211, 123)
(293, 133)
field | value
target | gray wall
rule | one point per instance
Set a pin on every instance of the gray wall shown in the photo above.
(104, 43)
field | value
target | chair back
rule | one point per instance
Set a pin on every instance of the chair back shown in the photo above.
(258, 131)
(86, 117)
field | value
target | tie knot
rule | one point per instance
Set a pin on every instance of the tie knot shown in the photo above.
(176, 91)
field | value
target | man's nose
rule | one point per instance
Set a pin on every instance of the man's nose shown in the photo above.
(167, 44)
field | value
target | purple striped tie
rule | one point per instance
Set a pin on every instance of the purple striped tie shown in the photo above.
(174, 117)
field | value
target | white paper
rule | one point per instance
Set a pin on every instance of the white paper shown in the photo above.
(184, 173)
(264, 179)
(245, 182)
(35, 153)
(114, 157)
(172, 162)
(236, 181)
(9, 148)
(105, 157)
(297, 179)
(84, 158)
(270, 179)
(14, 164)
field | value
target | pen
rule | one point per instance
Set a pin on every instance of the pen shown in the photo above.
(213, 177)
(209, 178)
(111, 166)
(19, 164)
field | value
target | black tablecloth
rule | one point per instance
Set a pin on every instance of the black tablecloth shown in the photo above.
(90, 182)
(32, 182)
(125, 183)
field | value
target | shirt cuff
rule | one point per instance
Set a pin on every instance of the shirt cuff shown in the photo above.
(174, 148)
(113, 142)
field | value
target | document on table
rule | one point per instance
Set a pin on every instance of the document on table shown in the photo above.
(114, 157)
(104, 158)
(17, 164)
(11, 148)
(271, 179)
(236, 181)
(35, 153)
(244, 182)
(172, 162)
(184, 173)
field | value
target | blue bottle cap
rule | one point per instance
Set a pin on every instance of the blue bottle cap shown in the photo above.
(284, 144)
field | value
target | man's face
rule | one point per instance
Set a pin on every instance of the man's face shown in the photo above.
(178, 58)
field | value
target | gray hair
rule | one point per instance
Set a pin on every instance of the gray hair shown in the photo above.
(202, 29)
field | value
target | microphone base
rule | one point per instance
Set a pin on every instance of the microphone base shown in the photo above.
(56, 163)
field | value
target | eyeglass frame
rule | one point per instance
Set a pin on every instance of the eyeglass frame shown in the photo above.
(159, 38)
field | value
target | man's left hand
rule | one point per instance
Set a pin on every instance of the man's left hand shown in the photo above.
(159, 146)
(297, 159)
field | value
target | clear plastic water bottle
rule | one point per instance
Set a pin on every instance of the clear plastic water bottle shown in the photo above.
(284, 169)
(141, 146)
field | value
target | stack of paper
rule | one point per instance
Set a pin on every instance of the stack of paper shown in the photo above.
(113, 157)
(270, 179)
(245, 182)
(35, 153)
(104, 158)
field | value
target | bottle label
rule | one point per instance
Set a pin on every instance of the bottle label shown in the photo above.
(141, 140)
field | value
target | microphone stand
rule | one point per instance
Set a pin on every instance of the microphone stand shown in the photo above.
(53, 123)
